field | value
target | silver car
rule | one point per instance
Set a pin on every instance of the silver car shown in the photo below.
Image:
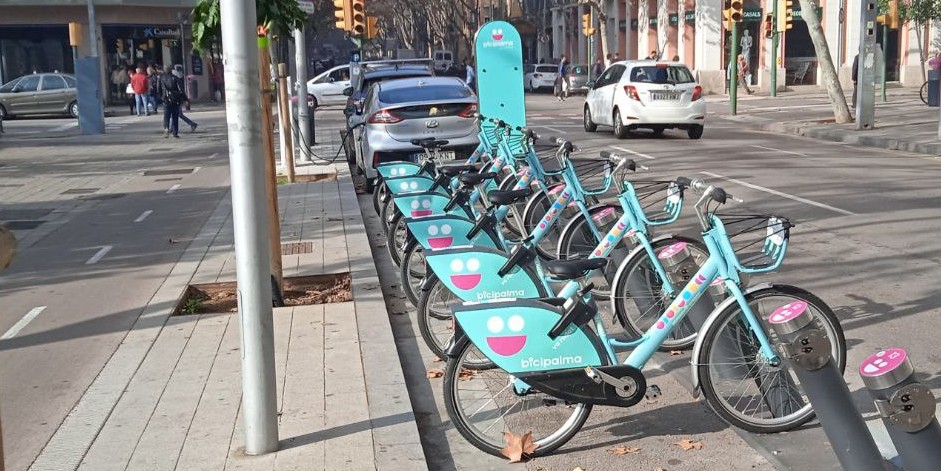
(39, 94)
(397, 111)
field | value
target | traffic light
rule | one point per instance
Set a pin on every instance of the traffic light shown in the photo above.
(587, 30)
(891, 17)
(769, 25)
(735, 11)
(343, 14)
(785, 15)
(727, 22)
(372, 27)
(358, 21)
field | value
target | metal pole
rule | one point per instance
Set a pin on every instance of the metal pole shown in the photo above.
(92, 30)
(885, 39)
(253, 271)
(865, 75)
(733, 73)
(808, 350)
(907, 408)
(775, 36)
(305, 122)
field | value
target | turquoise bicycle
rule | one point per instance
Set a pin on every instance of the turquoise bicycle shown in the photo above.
(539, 366)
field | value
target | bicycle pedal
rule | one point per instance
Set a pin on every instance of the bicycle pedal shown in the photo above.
(653, 392)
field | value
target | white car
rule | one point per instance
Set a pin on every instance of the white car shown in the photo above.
(327, 88)
(646, 94)
(540, 76)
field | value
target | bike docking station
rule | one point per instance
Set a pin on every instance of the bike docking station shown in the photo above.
(907, 408)
(809, 350)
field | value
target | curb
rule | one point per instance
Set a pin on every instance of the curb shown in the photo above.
(813, 130)
(392, 420)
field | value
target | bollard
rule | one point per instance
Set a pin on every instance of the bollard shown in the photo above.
(907, 408)
(809, 351)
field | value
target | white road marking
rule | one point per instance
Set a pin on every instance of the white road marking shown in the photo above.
(196, 170)
(64, 127)
(554, 129)
(144, 215)
(634, 152)
(98, 256)
(781, 150)
(174, 188)
(22, 322)
(214, 155)
(781, 194)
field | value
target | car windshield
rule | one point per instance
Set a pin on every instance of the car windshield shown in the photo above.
(8, 87)
(546, 68)
(424, 93)
(370, 81)
(661, 74)
(580, 69)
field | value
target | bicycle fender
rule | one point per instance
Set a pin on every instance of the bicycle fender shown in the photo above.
(706, 325)
(457, 342)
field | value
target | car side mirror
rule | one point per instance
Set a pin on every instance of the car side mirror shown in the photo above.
(348, 91)
(331, 80)
(591, 84)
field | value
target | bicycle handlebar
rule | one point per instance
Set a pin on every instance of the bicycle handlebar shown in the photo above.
(564, 144)
(622, 161)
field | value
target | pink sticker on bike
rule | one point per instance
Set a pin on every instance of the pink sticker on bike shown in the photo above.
(787, 312)
(883, 362)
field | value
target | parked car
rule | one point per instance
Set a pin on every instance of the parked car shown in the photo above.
(578, 79)
(646, 94)
(327, 88)
(39, 94)
(398, 111)
(540, 76)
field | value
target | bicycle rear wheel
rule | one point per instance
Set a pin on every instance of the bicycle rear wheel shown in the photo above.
(484, 403)
(923, 93)
(413, 271)
(742, 386)
(396, 238)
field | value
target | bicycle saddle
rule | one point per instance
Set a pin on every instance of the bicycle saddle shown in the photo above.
(472, 179)
(505, 197)
(453, 170)
(429, 143)
(571, 269)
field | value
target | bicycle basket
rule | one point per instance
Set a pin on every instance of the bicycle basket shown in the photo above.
(594, 175)
(759, 240)
(661, 200)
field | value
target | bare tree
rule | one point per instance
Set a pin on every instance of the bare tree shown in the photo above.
(841, 112)
(601, 14)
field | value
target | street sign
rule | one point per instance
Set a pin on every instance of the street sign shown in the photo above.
(307, 6)
(356, 56)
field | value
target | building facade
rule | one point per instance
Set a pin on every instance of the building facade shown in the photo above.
(691, 30)
(34, 37)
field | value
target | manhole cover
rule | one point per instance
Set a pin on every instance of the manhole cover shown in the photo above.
(22, 225)
(109, 196)
(172, 171)
(20, 214)
(295, 248)
(169, 179)
(79, 191)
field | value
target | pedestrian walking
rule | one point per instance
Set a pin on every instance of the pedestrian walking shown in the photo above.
(129, 90)
(217, 78)
(192, 124)
(597, 69)
(743, 73)
(153, 89)
(470, 77)
(607, 60)
(617, 57)
(855, 77)
(561, 79)
(171, 90)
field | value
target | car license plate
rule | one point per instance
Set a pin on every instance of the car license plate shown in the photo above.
(443, 155)
(664, 96)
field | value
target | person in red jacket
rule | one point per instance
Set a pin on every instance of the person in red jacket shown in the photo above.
(139, 85)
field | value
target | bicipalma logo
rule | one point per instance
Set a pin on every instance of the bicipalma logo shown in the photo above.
(532, 362)
(508, 294)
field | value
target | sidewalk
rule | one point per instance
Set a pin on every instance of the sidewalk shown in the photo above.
(901, 123)
(170, 396)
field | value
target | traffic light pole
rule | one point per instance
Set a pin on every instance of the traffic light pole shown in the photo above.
(885, 39)
(733, 72)
(775, 35)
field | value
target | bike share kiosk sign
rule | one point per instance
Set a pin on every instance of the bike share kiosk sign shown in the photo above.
(499, 54)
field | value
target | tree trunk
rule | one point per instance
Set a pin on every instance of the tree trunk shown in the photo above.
(809, 13)
(601, 13)
(921, 50)
(271, 186)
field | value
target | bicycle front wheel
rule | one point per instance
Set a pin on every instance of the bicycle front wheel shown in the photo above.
(396, 238)
(740, 384)
(923, 93)
(484, 403)
(412, 271)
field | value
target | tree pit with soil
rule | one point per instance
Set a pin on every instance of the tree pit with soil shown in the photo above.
(298, 291)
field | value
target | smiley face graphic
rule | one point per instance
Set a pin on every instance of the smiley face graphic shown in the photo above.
(421, 208)
(440, 237)
(465, 281)
(406, 186)
(506, 345)
(497, 34)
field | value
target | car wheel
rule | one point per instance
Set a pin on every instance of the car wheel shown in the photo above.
(73, 109)
(695, 131)
(311, 101)
(3, 113)
(620, 131)
(590, 125)
(658, 131)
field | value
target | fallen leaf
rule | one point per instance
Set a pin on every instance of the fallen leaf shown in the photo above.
(435, 373)
(466, 374)
(674, 353)
(518, 446)
(623, 450)
(688, 444)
